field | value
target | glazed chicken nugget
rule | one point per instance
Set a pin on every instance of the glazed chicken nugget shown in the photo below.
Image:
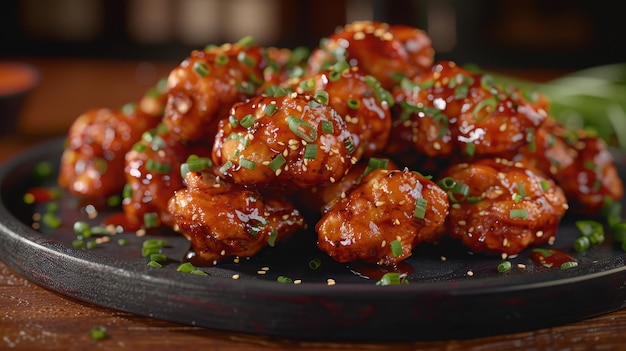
(223, 219)
(287, 142)
(383, 218)
(501, 207)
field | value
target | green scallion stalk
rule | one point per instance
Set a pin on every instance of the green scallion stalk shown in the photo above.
(271, 240)
(322, 97)
(315, 263)
(582, 244)
(421, 205)
(270, 109)
(396, 248)
(277, 162)
(201, 68)
(310, 151)
(98, 332)
(353, 104)
(569, 264)
(283, 279)
(327, 127)
(302, 129)
(518, 213)
(392, 278)
(245, 163)
(504, 266)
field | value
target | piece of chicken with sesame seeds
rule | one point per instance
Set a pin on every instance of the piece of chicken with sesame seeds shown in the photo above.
(385, 51)
(223, 219)
(501, 207)
(383, 218)
(93, 158)
(358, 98)
(284, 142)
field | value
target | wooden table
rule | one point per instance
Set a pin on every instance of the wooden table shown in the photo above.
(32, 317)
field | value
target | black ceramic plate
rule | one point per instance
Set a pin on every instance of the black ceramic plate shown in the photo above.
(462, 296)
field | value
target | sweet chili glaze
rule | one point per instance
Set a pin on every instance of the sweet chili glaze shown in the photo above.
(205, 85)
(451, 112)
(382, 219)
(152, 174)
(358, 98)
(222, 219)
(92, 164)
(580, 164)
(505, 208)
(382, 50)
(287, 142)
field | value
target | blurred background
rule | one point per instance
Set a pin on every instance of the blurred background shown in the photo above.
(567, 34)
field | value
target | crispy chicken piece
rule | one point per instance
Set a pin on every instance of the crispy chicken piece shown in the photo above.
(452, 113)
(501, 207)
(285, 142)
(383, 218)
(581, 164)
(360, 101)
(205, 85)
(93, 159)
(223, 219)
(385, 51)
(152, 174)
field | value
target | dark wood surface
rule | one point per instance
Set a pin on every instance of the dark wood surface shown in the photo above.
(33, 318)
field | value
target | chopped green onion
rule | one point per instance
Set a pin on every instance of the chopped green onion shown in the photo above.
(226, 166)
(307, 84)
(195, 164)
(488, 102)
(78, 244)
(302, 128)
(545, 185)
(246, 163)
(396, 248)
(283, 279)
(315, 263)
(310, 151)
(271, 240)
(582, 244)
(151, 220)
(90, 244)
(98, 332)
(82, 229)
(569, 264)
(322, 96)
(518, 213)
(277, 162)
(51, 220)
(420, 208)
(619, 231)
(156, 166)
(246, 41)
(201, 68)
(129, 108)
(470, 149)
(328, 127)
(446, 183)
(341, 66)
(270, 109)
(122, 242)
(349, 145)
(530, 139)
(504, 266)
(186, 267)
(458, 192)
(221, 60)
(334, 76)
(246, 59)
(248, 120)
(154, 264)
(354, 104)
(392, 278)
(521, 189)
(158, 257)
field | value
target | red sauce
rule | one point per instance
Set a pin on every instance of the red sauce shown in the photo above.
(550, 258)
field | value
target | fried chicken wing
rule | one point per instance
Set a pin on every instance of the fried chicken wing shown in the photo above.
(382, 50)
(93, 158)
(501, 207)
(456, 114)
(152, 174)
(223, 219)
(360, 101)
(383, 218)
(287, 142)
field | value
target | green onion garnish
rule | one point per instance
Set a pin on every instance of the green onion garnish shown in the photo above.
(226, 166)
(328, 127)
(201, 68)
(151, 220)
(277, 162)
(310, 151)
(420, 208)
(271, 240)
(246, 163)
(545, 185)
(156, 166)
(246, 59)
(569, 264)
(154, 264)
(518, 213)
(221, 60)
(315, 263)
(353, 104)
(302, 128)
(283, 279)
(392, 278)
(489, 102)
(396, 248)
(248, 120)
(98, 332)
(246, 41)
(307, 84)
(270, 109)
(504, 266)
(82, 229)
(349, 144)
(582, 244)
(322, 96)
(186, 267)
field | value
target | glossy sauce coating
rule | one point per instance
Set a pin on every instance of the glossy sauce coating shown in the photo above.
(382, 50)
(152, 174)
(285, 142)
(380, 213)
(453, 113)
(359, 100)
(223, 219)
(509, 206)
(205, 85)
(581, 165)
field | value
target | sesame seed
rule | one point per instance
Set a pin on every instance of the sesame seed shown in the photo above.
(379, 203)
(539, 233)
(504, 255)
(470, 273)
(383, 243)
(236, 260)
(297, 281)
(140, 232)
(443, 258)
(330, 281)
(461, 222)
(235, 276)
(551, 240)
(502, 127)
(521, 266)
(261, 272)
